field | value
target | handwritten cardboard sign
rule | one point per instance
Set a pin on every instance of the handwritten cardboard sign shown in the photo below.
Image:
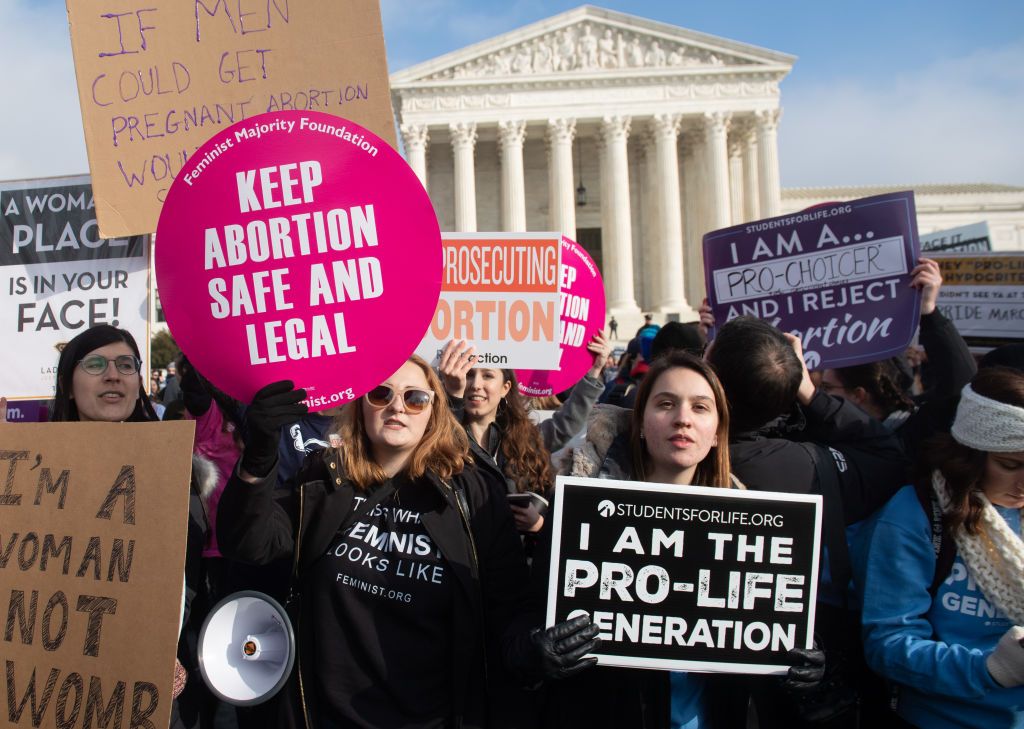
(59, 277)
(157, 79)
(837, 276)
(983, 295)
(581, 310)
(686, 577)
(297, 245)
(92, 555)
(500, 293)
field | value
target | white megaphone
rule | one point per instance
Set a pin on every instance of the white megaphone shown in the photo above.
(246, 648)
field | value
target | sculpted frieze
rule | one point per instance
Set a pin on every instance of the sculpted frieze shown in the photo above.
(587, 48)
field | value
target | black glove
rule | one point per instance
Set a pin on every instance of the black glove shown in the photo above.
(273, 407)
(807, 671)
(560, 648)
(197, 397)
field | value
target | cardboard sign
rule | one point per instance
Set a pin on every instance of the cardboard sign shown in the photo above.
(973, 238)
(500, 294)
(983, 295)
(59, 278)
(92, 556)
(155, 82)
(837, 276)
(581, 312)
(686, 577)
(299, 246)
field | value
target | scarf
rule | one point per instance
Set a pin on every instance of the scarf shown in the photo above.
(994, 556)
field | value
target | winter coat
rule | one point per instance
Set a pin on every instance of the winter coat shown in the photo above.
(933, 647)
(474, 531)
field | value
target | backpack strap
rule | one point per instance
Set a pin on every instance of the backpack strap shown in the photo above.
(944, 546)
(832, 519)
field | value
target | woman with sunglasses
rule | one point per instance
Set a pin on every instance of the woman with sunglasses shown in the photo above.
(408, 572)
(502, 438)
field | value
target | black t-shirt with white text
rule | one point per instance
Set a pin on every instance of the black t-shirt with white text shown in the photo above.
(382, 602)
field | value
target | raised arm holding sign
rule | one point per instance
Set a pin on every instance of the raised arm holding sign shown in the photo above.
(836, 275)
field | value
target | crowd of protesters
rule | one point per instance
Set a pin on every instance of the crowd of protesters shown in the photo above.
(920, 466)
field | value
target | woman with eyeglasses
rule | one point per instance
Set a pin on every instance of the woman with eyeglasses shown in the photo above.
(99, 380)
(409, 580)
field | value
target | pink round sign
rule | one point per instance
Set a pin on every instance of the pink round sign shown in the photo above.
(582, 316)
(298, 245)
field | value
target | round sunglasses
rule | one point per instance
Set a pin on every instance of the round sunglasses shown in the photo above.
(415, 400)
(96, 364)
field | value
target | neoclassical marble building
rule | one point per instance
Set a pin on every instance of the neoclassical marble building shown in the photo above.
(631, 136)
(661, 133)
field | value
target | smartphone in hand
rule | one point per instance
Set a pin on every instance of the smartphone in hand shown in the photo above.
(525, 499)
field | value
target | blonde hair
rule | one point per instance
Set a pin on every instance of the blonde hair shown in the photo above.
(443, 450)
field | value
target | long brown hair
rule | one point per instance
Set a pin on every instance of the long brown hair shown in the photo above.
(527, 461)
(714, 470)
(964, 467)
(443, 450)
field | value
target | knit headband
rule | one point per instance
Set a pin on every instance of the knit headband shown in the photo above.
(988, 425)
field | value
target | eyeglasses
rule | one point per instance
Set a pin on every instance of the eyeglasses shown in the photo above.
(416, 401)
(96, 364)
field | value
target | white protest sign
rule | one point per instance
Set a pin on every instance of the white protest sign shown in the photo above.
(501, 294)
(60, 278)
(983, 295)
(963, 239)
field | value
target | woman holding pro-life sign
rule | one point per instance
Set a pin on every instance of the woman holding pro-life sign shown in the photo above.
(943, 580)
(99, 380)
(409, 576)
(677, 433)
(502, 438)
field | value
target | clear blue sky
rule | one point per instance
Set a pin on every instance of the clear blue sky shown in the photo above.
(886, 92)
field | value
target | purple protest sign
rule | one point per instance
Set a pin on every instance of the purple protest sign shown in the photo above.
(836, 275)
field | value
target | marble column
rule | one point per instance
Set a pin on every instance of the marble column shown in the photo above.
(416, 138)
(463, 144)
(617, 234)
(716, 129)
(768, 162)
(735, 147)
(695, 211)
(751, 203)
(670, 291)
(561, 188)
(511, 135)
(650, 202)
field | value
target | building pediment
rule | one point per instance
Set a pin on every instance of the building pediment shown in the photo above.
(591, 42)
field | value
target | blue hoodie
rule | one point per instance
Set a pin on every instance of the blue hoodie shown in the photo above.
(935, 650)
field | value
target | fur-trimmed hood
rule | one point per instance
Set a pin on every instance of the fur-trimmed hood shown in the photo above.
(605, 424)
(597, 458)
(204, 477)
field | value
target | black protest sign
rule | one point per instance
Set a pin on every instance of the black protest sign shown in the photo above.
(54, 221)
(92, 548)
(686, 577)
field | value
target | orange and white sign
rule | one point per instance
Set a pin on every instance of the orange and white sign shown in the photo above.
(500, 293)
